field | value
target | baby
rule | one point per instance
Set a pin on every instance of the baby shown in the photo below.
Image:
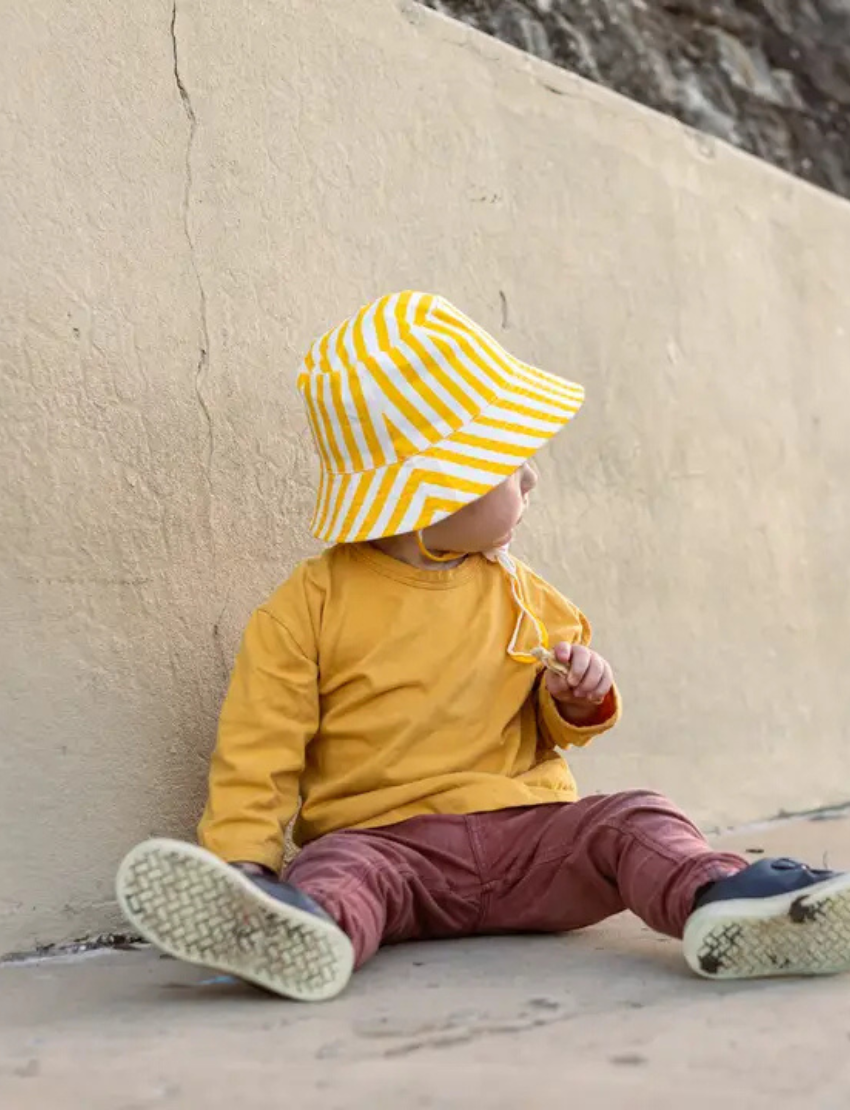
(414, 686)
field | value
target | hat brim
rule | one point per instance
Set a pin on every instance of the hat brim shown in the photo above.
(429, 486)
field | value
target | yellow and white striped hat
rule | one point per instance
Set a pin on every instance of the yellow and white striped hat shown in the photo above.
(415, 412)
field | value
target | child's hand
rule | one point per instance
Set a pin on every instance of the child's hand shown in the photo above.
(584, 686)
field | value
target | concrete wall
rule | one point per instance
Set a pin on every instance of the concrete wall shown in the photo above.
(174, 237)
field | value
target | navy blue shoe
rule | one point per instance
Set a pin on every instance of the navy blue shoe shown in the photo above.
(199, 909)
(776, 917)
(290, 896)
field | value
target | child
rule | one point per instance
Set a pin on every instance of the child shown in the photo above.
(404, 684)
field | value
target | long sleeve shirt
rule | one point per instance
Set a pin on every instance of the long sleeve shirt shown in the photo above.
(376, 692)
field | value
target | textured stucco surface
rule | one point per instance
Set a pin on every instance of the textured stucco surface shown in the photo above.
(173, 240)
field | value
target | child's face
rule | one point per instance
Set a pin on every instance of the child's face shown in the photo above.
(488, 522)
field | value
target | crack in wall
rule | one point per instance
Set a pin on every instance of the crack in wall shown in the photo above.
(218, 641)
(203, 363)
(202, 366)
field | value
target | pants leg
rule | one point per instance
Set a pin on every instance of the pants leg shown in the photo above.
(557, 867)
(414, 880)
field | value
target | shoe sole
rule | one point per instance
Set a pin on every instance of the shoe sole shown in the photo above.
(802, 933)
(195, 907)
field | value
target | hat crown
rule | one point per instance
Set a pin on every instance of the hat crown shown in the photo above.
(401, 375)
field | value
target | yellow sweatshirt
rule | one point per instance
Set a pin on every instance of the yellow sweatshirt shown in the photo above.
(380, 692)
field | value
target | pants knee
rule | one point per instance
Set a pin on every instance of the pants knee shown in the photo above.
(631, 802)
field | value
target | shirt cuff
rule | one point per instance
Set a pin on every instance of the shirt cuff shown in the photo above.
(562, 734)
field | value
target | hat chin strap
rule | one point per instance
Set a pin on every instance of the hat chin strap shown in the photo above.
(540, 653)
(444, 558)
(502, 556)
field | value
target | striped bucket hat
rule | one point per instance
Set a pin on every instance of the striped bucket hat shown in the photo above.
(416, 411)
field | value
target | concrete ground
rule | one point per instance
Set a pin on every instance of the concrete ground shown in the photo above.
(606, 1018)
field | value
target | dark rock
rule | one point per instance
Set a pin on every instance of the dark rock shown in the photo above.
(769, 76)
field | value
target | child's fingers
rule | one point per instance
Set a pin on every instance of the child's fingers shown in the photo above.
(588, 676)
(591, 678)
(603, 687)
(580, 659)
(557, 677)
(557, 685)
